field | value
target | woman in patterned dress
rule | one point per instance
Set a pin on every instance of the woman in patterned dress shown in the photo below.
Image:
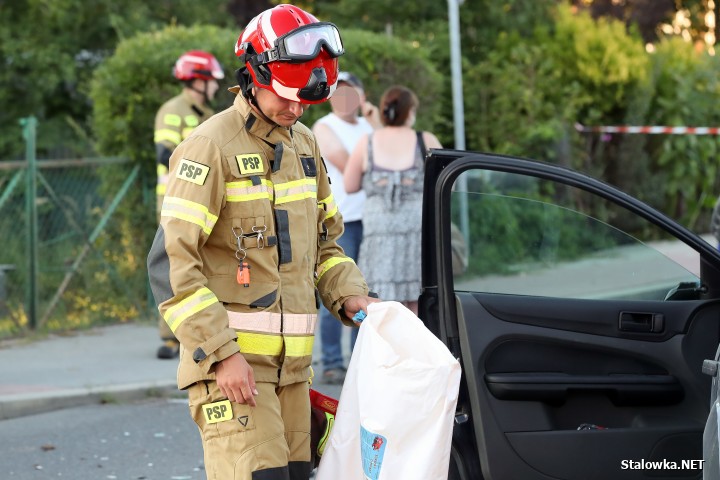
(388, 164)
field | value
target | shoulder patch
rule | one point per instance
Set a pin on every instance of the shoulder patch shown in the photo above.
(193, 172)
(250, 163)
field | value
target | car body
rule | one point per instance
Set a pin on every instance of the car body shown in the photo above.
(581, 318)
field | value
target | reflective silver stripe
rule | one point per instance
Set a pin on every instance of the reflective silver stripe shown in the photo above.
(245, 191)
(267, 322)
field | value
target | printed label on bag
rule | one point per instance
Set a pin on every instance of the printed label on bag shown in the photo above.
(372, 450)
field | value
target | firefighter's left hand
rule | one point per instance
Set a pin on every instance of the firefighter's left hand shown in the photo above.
(354, 304)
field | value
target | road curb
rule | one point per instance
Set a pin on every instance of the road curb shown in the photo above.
(20, 405)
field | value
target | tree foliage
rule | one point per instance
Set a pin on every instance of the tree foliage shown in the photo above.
(381, 61)
(596, 72)
(49, 50)
(530, 72)
(686, 91)
(533, 89)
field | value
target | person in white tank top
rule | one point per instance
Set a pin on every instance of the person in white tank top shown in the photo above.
(337, 133)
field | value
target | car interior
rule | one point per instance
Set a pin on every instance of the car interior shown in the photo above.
(581, 318)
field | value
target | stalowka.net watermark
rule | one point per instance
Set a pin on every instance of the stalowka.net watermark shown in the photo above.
(661, 464)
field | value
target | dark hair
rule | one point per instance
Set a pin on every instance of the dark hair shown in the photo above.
(396, 104)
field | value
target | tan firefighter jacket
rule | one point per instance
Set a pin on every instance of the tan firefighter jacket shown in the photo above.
(174, 122)
(245, 192)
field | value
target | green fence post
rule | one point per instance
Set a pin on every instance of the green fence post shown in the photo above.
(29, 125)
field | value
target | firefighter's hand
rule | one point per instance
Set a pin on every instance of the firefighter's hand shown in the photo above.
(236, 379)
(353, 305)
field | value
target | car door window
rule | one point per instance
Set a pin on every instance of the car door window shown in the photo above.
(518, 234)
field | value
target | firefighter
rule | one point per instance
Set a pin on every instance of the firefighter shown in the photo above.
(199, 73)
(247, 248)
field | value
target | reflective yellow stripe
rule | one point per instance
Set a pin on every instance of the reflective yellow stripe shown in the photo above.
(187, 131)
(299, 346)
(245, 191)
(162, 179)
(191, 121)
(294, 198)
(172, 120)
(260, 344)
(330, 421)
(167, 135)
(295, 190)
(192, 212)
(272, 345)
(329, 205)
(188, 307)
(328, 264)
(331, 213)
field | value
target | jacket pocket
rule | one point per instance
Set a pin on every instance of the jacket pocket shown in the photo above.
(252, 243)
(260, 293)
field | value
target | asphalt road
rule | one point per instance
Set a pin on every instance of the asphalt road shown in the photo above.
(154, 439)
(149, 440)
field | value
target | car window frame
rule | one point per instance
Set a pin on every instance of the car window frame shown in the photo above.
(446, 165)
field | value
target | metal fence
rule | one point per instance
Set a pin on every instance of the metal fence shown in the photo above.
(58, 263)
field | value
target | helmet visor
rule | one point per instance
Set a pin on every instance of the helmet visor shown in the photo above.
(304, 43)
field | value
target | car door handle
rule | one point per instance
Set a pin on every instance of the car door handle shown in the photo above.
(644, 322)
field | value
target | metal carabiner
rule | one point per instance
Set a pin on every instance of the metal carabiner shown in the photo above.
(260, 236)
(240, 250)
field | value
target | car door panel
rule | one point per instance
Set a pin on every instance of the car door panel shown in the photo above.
(580, 325)
(539, 384)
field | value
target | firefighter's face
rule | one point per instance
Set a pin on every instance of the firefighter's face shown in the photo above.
(210, 87)
(277, 109)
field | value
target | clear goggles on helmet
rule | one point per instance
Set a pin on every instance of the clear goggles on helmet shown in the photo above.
(304, 43)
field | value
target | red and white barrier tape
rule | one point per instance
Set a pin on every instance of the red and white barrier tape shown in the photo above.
(650, 130)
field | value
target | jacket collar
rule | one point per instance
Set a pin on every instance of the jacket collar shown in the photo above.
(202, 110)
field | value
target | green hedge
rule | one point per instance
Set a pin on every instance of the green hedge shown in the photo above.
(526, 98)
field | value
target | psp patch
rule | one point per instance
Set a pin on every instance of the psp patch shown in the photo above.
(193, 172)
(250, 163)
(218, 411)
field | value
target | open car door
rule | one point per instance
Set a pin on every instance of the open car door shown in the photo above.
(581, 318)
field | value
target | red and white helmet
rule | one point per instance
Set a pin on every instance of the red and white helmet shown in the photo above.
(197, 64)
(289, 52)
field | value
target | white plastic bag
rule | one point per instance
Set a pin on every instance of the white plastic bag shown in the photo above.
(396, 410)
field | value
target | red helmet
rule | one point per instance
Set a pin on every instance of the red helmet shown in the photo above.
(197, 64)
(289, 52)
